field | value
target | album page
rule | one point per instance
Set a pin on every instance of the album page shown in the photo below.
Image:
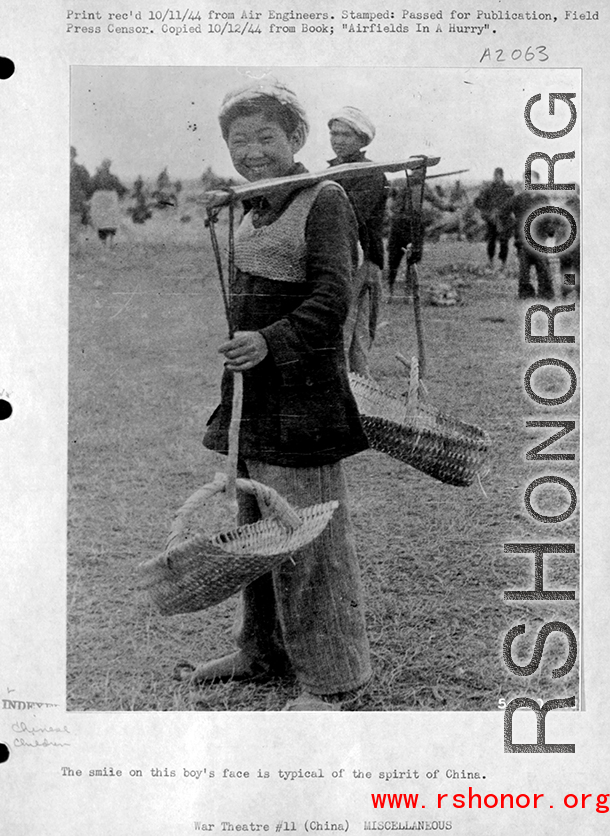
(302, 417)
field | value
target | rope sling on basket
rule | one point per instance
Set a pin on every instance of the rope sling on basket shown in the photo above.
(406, 427)
(415, 432)
(198, 570)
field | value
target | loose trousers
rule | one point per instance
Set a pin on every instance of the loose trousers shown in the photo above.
(308, 614)
(494, 233)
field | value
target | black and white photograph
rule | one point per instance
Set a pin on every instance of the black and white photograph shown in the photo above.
(302, 395)
(377, 345)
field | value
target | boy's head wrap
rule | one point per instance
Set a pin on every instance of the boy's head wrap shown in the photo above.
(260, 91)
(357, 120)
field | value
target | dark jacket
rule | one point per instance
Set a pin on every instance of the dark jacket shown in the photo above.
(298, 407)
(367, 194)
(494, 202)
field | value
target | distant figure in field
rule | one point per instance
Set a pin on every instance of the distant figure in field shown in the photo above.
(350, 132)
(105, 209)
(140, 213)
(494, 202)
(104, 180)
(165, 195)
(407, 223)
(541, 229)
(80, 189)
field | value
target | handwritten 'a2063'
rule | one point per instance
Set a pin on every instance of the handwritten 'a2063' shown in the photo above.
(531, 53)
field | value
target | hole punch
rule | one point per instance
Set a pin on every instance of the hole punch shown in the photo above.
(6, 409)
(7, 67)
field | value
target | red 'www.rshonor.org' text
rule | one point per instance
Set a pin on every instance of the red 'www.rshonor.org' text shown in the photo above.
(476, 800)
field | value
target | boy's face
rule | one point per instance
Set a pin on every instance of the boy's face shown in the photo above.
(345, 141)
(259, 148)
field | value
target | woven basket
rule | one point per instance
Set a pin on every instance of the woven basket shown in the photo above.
(413, 431)
(197, 571)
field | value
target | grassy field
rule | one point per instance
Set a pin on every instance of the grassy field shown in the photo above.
(145, 320)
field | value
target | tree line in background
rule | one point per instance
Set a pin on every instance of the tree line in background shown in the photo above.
(144, 197)
(447, 209)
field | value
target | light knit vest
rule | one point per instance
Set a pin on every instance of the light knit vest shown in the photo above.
(278, 251)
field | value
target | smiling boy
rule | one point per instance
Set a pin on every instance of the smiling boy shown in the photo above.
(295, 253)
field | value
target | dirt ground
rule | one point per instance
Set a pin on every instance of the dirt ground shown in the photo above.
(145, 320)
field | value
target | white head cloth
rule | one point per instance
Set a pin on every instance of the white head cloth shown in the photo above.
(357, 120)
(269, 88)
